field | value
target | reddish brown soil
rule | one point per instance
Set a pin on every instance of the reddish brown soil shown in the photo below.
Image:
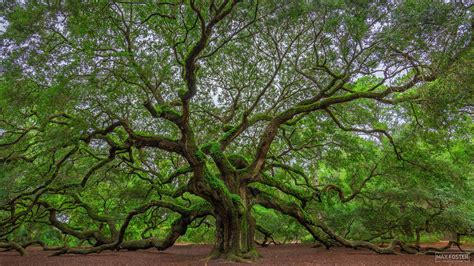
(293, 254)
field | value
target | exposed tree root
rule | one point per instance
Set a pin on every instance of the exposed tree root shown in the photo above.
(233, 255)
(236, 258)
(15, 246)
(252, 255)
(248, 257)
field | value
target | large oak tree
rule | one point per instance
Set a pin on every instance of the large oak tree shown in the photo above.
(121, 111)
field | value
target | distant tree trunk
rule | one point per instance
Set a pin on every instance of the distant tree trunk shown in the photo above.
(417, 242)
(451, 236)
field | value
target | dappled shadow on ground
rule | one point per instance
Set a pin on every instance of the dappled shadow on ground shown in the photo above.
(293, 254)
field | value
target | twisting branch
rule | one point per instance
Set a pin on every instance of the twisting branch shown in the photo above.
(355, 192)
(366, 131)
(179, 228)
(15, 246)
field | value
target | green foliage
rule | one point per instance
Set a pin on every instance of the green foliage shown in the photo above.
(351, 113)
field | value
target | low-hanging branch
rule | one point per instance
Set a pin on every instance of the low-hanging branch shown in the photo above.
(309, 223)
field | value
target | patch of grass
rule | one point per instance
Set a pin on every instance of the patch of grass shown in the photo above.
(430, 238)
(467, 240)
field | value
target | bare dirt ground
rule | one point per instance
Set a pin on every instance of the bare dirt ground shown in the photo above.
(292, 254)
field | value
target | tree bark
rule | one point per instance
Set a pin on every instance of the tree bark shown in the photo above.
(15, 246)
(235, 226)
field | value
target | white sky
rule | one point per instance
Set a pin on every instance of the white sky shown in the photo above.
(3, 25)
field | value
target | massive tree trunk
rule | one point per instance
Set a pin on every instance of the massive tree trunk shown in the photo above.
(228, 229)
(235, 226)
(235, 230)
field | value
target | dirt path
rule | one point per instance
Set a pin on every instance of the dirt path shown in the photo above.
(294, 254)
